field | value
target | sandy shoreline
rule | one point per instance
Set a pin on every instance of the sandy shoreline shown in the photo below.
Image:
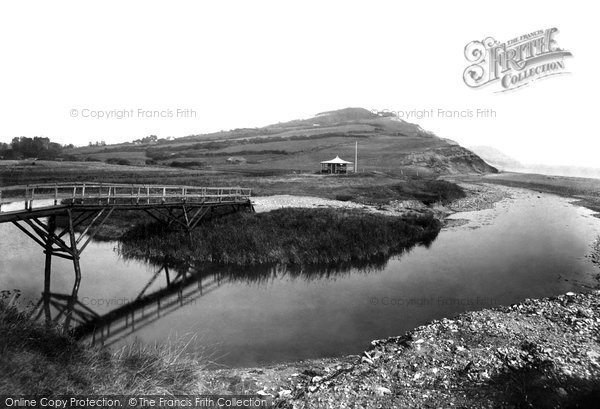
(479, 197)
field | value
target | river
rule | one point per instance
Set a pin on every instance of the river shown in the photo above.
(529, 246)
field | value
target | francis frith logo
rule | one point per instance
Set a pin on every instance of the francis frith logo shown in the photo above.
(515, 63)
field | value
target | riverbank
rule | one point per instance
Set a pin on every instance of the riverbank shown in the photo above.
(477, 196)
(584, 190)
(538, 353)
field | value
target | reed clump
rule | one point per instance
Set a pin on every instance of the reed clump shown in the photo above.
(290, 236)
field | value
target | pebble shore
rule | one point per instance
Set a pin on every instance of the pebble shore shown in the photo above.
(537, 353)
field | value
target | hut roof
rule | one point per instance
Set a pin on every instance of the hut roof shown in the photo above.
(337, 160)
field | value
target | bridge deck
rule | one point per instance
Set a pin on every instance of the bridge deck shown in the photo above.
(17, 202)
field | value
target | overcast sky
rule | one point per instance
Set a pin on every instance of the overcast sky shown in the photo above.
(252, 63)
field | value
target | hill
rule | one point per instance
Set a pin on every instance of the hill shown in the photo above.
(385, 144)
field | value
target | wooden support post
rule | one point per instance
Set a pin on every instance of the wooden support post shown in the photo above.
(48, 270)
(167, 275)
(77, 268)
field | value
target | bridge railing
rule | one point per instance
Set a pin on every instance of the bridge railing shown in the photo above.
(118, 194)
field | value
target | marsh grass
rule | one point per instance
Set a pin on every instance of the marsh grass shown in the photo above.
(290, 236)
(39, 360)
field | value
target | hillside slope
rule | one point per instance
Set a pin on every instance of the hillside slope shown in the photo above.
(385, 144)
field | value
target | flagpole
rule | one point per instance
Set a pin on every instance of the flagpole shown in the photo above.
(356, 158)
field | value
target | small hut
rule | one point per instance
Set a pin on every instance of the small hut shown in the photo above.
(335, 166)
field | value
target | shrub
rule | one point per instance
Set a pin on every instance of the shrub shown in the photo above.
(344, 197)
(187, 164)
(118, 161)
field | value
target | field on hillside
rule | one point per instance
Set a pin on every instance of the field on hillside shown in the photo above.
(384, 144)
(376, 152)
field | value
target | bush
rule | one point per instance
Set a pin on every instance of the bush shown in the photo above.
(344, 197)
(118, 161)
(187, 164)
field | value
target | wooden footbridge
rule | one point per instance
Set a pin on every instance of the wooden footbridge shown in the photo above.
(83, 209)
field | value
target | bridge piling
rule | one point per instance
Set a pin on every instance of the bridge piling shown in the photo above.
(48, 270)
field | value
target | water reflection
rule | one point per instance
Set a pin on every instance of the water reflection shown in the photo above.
(184, 283)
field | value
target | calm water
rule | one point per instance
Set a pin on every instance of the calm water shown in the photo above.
(533, 245)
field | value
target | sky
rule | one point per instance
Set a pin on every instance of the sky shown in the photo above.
(222, 65)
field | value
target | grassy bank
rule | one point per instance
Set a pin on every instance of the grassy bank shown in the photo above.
(35, 360)
(286, 236)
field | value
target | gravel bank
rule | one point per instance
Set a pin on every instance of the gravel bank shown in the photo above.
(595, 252)
(539, 353)
(396, 208)
(480, 197)
(268, 203)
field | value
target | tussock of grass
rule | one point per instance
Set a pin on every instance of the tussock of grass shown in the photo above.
(37, 360)
(285, 236)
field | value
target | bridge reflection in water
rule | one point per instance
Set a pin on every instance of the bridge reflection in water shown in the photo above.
(183, 284)
(184, 288)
